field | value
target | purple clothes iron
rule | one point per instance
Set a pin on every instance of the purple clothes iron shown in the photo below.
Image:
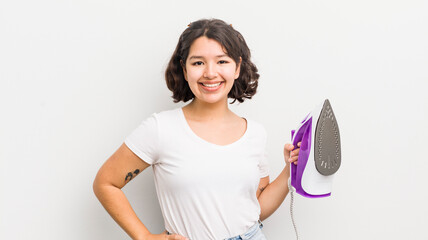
(320, 154)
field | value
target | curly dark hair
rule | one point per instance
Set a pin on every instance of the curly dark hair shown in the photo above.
(245, 86)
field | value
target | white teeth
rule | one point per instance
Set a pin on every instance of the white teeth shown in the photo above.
(211, 85)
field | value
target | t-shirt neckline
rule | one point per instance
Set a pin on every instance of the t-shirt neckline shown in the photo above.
(199, 139)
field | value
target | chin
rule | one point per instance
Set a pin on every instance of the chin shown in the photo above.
(212, 100)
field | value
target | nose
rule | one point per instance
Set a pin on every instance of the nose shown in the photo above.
(210, 71)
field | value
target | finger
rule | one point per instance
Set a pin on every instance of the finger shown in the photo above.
(289, 146)
(177, 237)
(295, 152)
(299, 143)
(293, 159)
(172, 237)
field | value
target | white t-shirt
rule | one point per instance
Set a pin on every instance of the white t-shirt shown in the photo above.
(205, 191)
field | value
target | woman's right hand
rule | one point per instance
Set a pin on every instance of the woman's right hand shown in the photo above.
(165, 236)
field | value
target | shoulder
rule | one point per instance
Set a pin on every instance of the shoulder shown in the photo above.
(168, 120)
(159, 118)
(256, 125)
(256, 128)
(168, 114)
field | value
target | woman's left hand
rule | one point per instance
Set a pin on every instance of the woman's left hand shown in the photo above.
(290, 154)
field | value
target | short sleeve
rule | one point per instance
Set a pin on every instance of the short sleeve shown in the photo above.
(263, 164)
(144, 140)
(263, 167)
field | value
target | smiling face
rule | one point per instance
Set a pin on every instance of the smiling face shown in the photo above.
(209, 71)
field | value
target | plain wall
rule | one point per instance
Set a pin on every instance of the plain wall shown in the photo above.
(78, 76)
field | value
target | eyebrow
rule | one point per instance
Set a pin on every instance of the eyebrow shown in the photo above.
(218, 56)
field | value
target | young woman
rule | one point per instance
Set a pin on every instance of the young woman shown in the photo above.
(209, 164)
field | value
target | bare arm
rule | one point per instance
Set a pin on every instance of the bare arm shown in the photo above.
(116, 172)
(271, 195)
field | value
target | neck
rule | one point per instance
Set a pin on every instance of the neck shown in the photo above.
(199, 110)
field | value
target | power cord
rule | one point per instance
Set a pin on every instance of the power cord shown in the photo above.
(292, 190)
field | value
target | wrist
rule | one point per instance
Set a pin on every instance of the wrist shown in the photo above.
(286, 171)
(144, 236)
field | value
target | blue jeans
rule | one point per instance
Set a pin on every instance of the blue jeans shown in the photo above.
(254, 233)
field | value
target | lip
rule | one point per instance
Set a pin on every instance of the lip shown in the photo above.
(211, 89)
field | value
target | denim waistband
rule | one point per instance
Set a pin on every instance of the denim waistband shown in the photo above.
(247, 235)
(250, 233)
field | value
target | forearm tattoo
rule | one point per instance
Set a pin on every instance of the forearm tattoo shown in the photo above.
(262, 188)
(130, 175)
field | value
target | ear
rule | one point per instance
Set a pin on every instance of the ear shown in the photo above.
(238, 68)
(183, 66)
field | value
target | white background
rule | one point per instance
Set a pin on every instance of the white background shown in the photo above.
(78, 76)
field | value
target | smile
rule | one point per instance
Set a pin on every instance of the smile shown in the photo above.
(211, 86)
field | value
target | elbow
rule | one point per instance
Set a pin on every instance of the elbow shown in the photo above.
(263, 216)
(103, 187)
(96, 187)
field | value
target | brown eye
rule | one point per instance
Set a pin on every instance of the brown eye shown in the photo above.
(197, 63)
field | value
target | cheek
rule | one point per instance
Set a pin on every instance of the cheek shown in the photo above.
(194, 74)
(229, 73)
